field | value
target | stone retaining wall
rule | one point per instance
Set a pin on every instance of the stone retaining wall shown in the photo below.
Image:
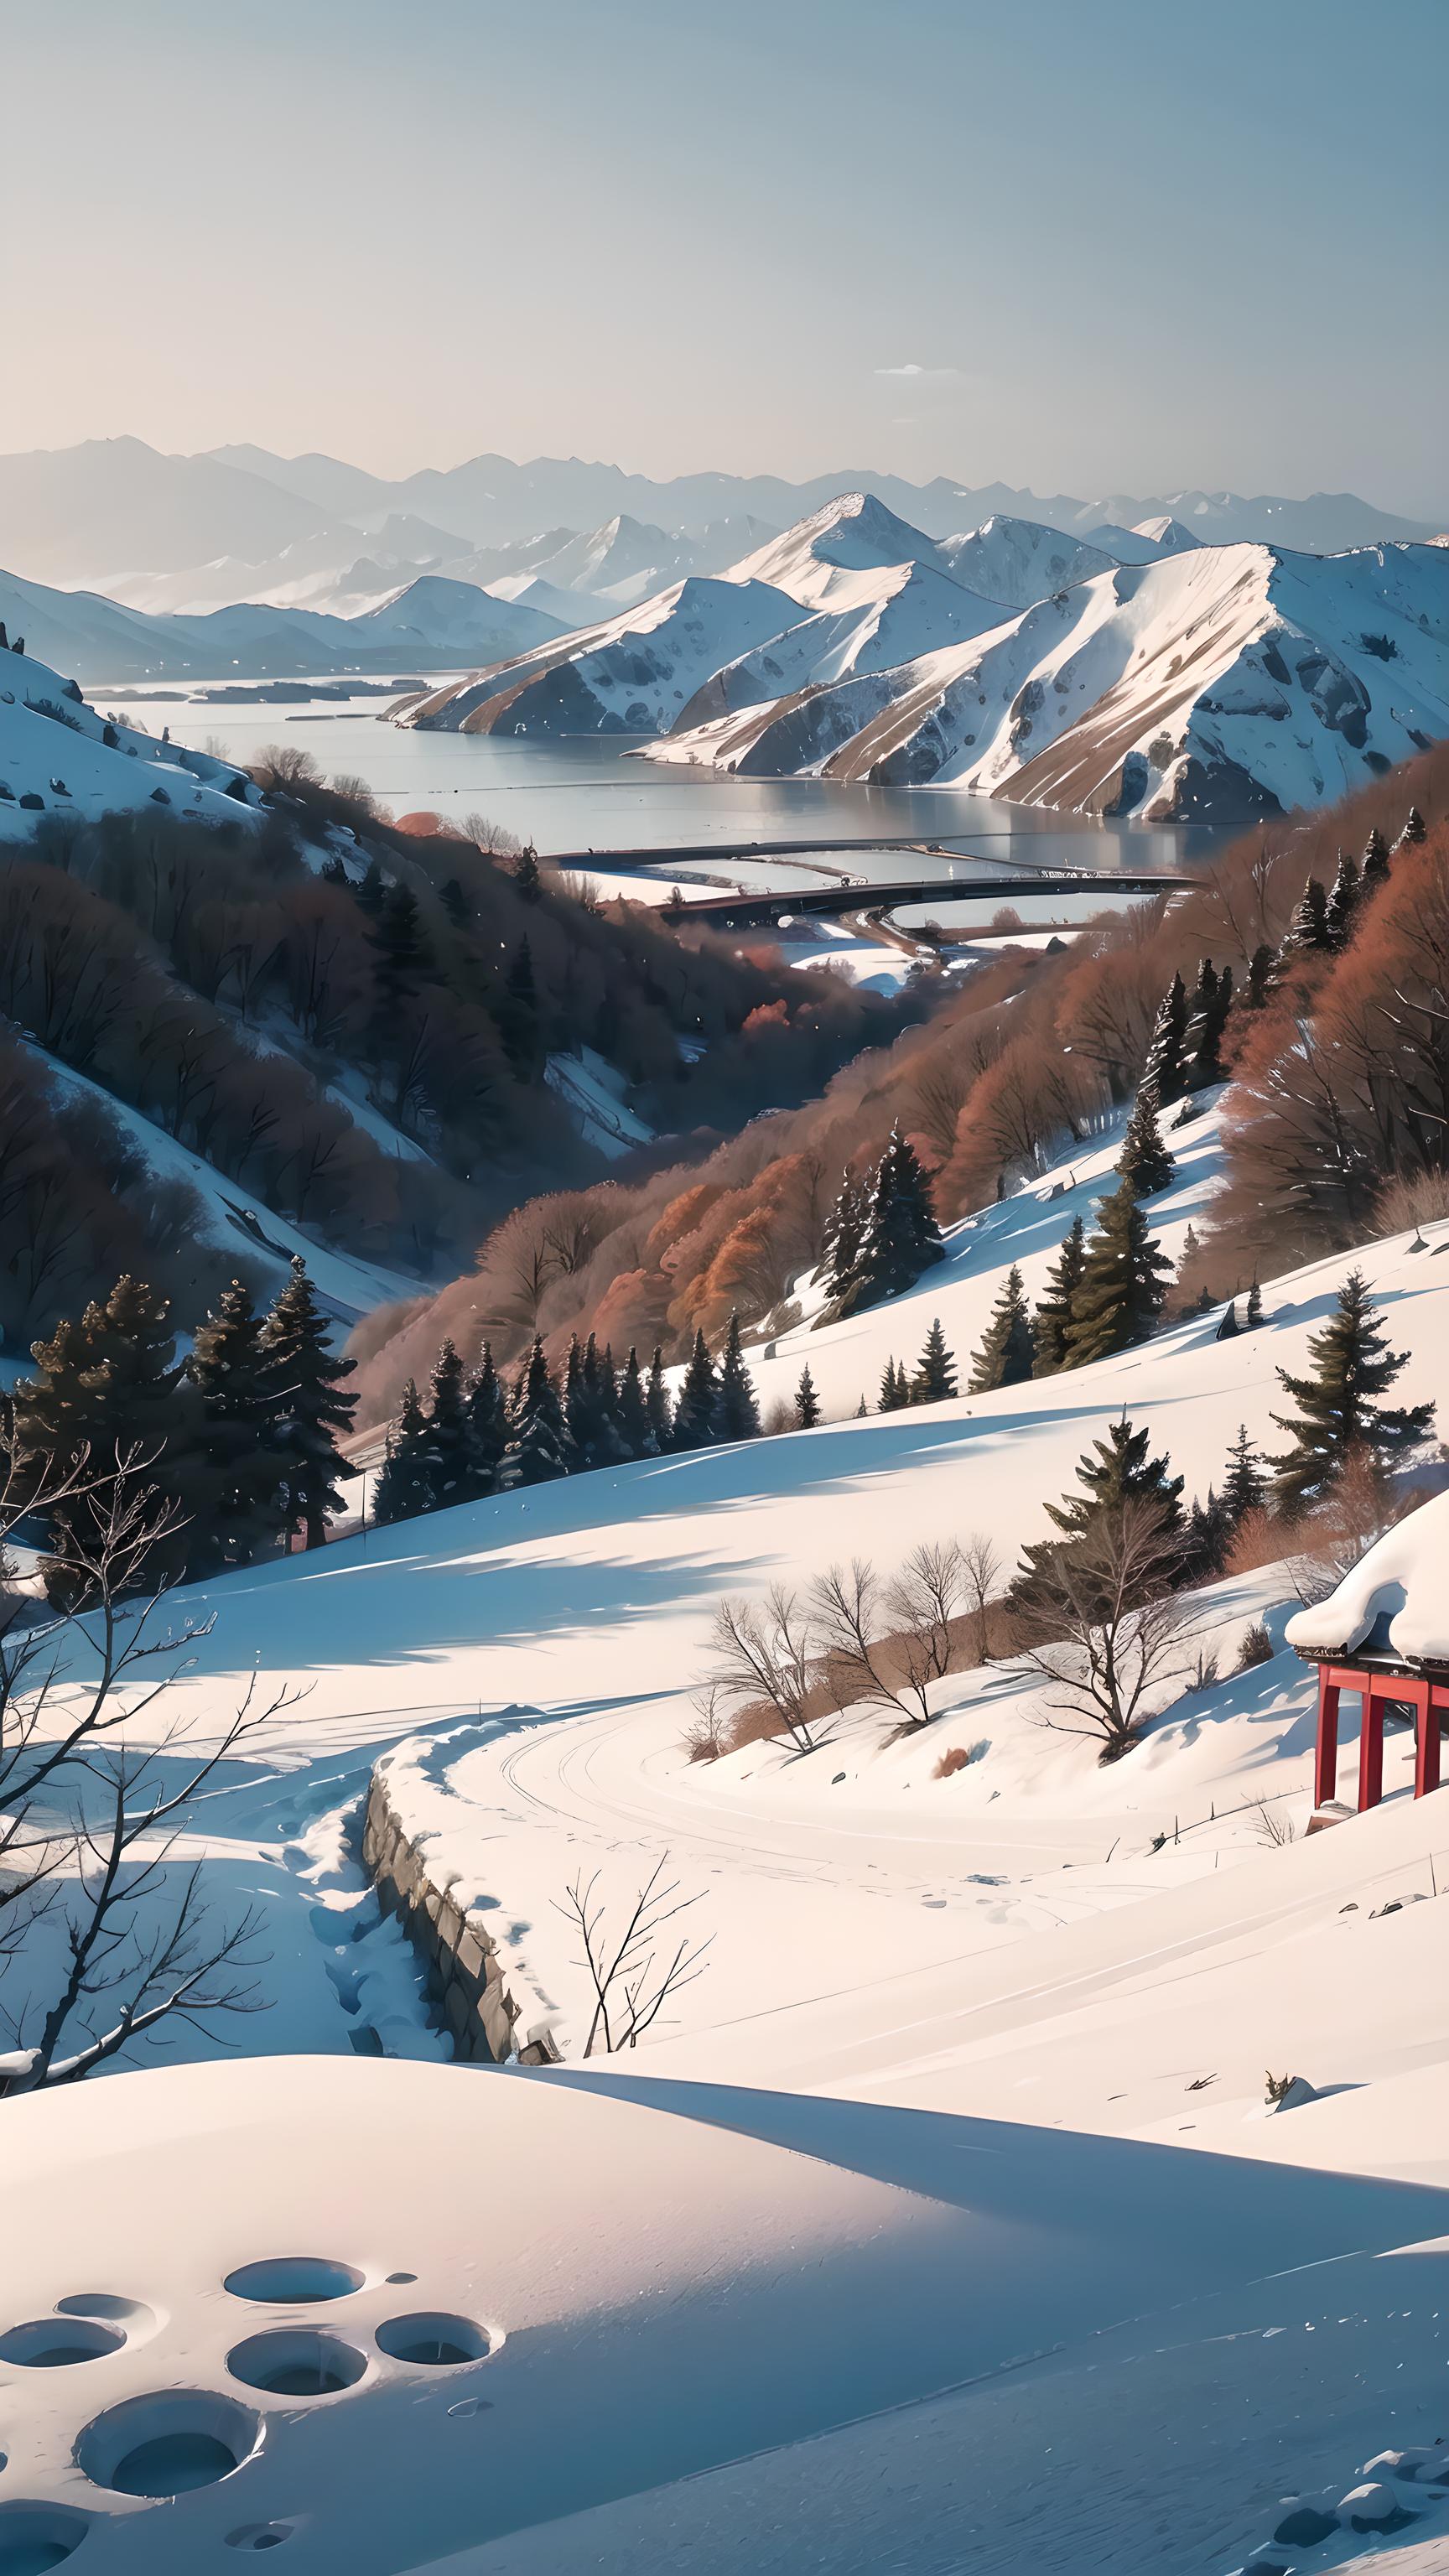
(476, 2003)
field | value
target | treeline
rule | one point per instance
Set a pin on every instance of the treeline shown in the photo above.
(1034, 1054)
(233, 1450)
(478, 1434)
(144, 950)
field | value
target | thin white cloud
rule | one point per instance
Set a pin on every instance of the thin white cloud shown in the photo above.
(924, 375)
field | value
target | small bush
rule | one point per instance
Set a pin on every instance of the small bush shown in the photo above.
(1256, 1648)
(1412, 1200)
(958, 1757)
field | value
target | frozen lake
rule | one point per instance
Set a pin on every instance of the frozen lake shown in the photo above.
(585, 793)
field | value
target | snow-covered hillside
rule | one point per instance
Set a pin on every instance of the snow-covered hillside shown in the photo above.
(57, 756)
(1018, 561)
(815, 561)
(1210, 685)
(629, 674)
(875, 619)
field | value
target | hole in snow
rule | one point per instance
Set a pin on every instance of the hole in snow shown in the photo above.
(35, 2537)
(165, 2445)
(54, 2343)
(433, 2340)
(109, 2305)
(294, 2280)
(395, 2280)
(297, 2362)
(259, 2535)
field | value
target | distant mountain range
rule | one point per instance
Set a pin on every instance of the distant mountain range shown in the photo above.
(115, 515)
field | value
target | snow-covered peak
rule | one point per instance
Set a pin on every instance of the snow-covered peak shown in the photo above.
(853, 533)
(1167, 533)
(1018, 561)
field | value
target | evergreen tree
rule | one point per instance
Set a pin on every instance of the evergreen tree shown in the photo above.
(1120, 1294)
(526, 876)
(601, 1375)
(1415, 830)
(737, 1415)
(1212, 1001)
(400, 949)
(935, 1378)
(487, 1425)
(312, 1411)
(1245, 1486)
(1006, 1356)
(843, 1230)
(1375, 861)
(451, 1465)
(807, 1402)
(576, 1401)
(1054, 1313)
(539, 1447)
(517, 1013)
(240, 1461)
(1343, 900)
(1114, 1472)
(455, 903)
(1165, 1068)
(635, 1428)
(901, 1237)
(108, 1389)
(1207, 1536)
(1338, 1414)
(405, 1484)
(895, 1394)
(658, 1407)
(694, 1414)
(1307, 934)
(1144, 1159)
(371, 891)
(1260, 976)
(1255, 1306)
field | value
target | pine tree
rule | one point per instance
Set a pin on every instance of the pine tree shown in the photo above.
(1144, 1159)
(635, 1428)
(901, 1237)
(240, 1461)
(1307, 934)
(1212, 1001)
(935, 1378)
(657, 1405)
(1375, 861)
(1115, 1472)
(694, 1413)
(1120, 1294)
(1255, 1306)
(895, 1394)
(455, 903)
(517, 1013)
(1260, 976)
(1054, 1312)
(449, 1444)
(843, 1230)
(576, 1404)
(807, 1402)
(405, 1484)
(400, 949)
(1006, 1354)
(1165, 1068)
(312, 1412)
(487, 1425)
(737, 1415)
(526, 877)
(1343, 900)
(1415, 830)
(539, 1447)
(610, 1446)
(1245, 1486)
(371, 891)
(110, 1388)
(1207, 1536)
(1338, 1415)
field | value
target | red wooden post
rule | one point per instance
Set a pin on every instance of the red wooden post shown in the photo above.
(1370, 1749)
(1426, 1751)
(1325, 1768)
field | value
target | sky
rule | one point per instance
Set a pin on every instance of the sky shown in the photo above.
(1128, 246)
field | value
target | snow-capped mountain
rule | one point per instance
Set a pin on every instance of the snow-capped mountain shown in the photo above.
(815, 561)
(633, 673)
(875, 619)
(57, 756)
(1146, 543)
(1214, 684)
(435, 614)
(1018, 560)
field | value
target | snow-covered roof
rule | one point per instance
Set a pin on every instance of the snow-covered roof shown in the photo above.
(1394, 1598)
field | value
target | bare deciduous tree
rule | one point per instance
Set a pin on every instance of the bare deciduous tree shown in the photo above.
(98, 1947)
(765, 1651)
(980, 1574)
(1104, 1627)
(629, 1983)
(927, 1594)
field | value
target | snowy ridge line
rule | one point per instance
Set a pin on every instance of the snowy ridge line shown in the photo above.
(477, 2006)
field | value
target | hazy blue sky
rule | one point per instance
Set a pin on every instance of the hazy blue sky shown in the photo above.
(1086, 244)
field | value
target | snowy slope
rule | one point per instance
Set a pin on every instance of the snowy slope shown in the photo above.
(62, 763)
(1212, 685)
(627, 674)
(1017, 561)
(814, 561)
(453, 617)
(876, 619)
